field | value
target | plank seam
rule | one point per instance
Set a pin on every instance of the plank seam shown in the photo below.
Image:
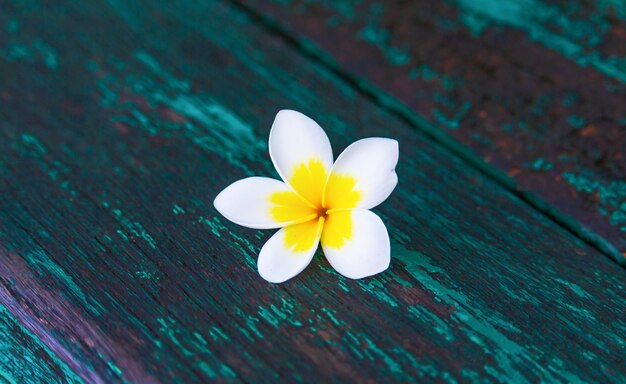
(399, 110)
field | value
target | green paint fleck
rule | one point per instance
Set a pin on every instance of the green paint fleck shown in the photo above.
(195, 347)
(570, 98)
(331, 315)
(31, 53)
(576, 121)
(453, 122)
(484, 328)
(539, 165)
(43, 264)
(376, 288)
(25, 359)
(380, 38)
(143, 275)
(611, 195)
(133, 227)
(33, 146)
(475, 23)
(177, 209)
(277, 315)
(477, 137)
(114, 368)
(536, 18)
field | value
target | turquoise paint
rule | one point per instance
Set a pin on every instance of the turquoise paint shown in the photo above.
(195, 348)
(376, 289)
(436, 323)
(22, 356)
(366, 349)
(576, 121)
(276, 315)
(617, 7)
(570, 98)
(122, 235)
(393, 351)
(532, 16)
(217, 334)
(452, 122)
(540, 103)
(275, 82)
(330, 313)
(132, 227)
(32, 146)
(31, 52)
(44, 265)
(116, 370)
(389, 361)
(248, 250)
(49, 55)
(251, 324)
(612, 195)
(143, 275)
(475, 23)
(209, 125)
(5, 378)
(333, 21)
(427, 73)
(477, 324)
(12, 26)
(477, 137)
(177, 210)
(58, 172)
(347, 9)
(380, 38)
(539, 164)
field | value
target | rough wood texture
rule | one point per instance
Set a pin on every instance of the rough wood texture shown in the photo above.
(537, 88)
(23, 358)
(119, 125)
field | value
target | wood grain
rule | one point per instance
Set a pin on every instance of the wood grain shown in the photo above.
(23, 358)
(121, 123)
(537, 88)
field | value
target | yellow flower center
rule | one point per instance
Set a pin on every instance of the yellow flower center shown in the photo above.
(320, 203)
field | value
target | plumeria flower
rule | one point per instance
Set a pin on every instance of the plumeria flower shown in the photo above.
(317, 201)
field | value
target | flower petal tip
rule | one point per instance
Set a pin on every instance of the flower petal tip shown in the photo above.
(366, 275)
(373, 269)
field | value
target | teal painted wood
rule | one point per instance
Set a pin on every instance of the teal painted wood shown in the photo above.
(113, 146)
(25, 359)
(537, 88)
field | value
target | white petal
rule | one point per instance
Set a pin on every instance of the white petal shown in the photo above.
(281, 259)
(296, 141)
(371, 162)
(365, 252)
(247, 202)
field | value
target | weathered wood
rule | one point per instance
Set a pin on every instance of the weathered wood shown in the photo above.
(23, 358)
(120, 124)
(537, 88)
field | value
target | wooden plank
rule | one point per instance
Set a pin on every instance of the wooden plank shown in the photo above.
(25, 359)
(537, 88)
(121, 123)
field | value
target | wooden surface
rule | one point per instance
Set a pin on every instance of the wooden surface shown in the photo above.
(23, 358)
(537, 88)
(119, 125)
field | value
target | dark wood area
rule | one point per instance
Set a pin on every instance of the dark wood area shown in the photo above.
(537, 88)
(120, 123)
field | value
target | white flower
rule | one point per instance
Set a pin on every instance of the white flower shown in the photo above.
(318, 201)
